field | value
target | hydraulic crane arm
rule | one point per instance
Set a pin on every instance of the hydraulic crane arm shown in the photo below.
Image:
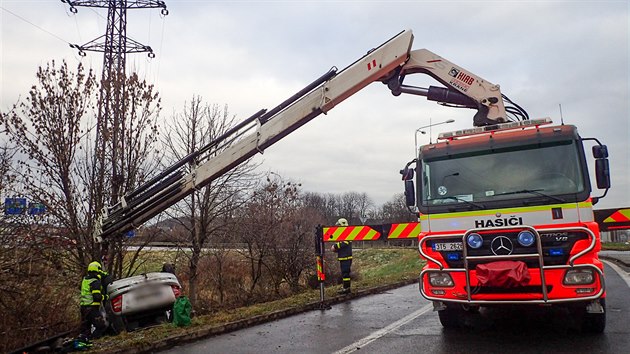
(388, 63)
(465, 89)
(322, 95)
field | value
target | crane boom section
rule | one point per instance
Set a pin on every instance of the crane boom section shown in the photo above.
(375, 65)
(388, 63)
(368, 69)
(451, 75)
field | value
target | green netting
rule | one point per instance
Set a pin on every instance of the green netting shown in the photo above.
(181, 311)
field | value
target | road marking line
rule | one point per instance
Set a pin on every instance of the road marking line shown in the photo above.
(625, 276)
(385, 330)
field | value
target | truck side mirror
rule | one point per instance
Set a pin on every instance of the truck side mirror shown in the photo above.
(410, 193)
(602, 172)
(407, 174)
(600, 151)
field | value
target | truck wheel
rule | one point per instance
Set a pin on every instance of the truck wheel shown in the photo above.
(594, 322)
(451, 317)
(473, 310)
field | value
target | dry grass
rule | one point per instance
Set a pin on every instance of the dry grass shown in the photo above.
(616, 246)
(373, 267)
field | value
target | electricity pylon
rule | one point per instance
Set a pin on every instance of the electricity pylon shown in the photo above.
(110, 124)
(114, 45)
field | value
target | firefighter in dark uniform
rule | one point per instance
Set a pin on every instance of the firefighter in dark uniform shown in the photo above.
(93, 294)
(344, 256)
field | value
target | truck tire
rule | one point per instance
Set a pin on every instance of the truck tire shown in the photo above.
(594, 322)
(451, 317)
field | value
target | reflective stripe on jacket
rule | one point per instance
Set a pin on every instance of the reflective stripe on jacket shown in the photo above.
(91, 292)
(344, 250)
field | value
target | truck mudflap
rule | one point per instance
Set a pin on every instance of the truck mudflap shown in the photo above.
(547, 285)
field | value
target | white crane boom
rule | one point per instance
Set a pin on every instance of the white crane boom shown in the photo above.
(388, 63)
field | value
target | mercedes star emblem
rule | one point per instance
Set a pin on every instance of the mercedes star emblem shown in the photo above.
(501, 246)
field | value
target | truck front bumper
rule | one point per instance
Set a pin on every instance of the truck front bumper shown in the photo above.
(547, 289)
(548, 284)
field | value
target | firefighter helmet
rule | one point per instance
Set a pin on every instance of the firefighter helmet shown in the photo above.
(342, 222)
(95, 267)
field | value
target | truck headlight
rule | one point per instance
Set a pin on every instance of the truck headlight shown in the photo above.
(440, 279)
(526, 238)
(474, 240)
(578, 277)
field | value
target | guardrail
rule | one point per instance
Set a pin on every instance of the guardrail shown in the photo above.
(48, 345)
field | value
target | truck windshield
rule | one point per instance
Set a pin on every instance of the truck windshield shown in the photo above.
(544, 172)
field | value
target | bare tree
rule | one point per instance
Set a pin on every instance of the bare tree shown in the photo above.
(27, 256)
(9, 231)
(395, 210)
(257, 229)
(205, 214)
(277, 228)
(350, 205)
(52, 130)
(46, 129)
(219, 253)
(320, 203)
(365, 205)
(293, 252)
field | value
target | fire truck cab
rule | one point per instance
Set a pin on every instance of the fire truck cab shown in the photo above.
(506, 218)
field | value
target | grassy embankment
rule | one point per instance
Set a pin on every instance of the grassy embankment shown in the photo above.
(616, 246)
(374, 267)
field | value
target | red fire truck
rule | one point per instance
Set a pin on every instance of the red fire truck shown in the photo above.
(506, 214)
(505, 207)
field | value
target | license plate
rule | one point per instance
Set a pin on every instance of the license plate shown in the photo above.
(448, 246)
(148, 294)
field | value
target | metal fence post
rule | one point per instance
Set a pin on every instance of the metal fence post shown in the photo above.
(320, 251)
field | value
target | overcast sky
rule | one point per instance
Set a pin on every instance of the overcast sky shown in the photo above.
(254, 54)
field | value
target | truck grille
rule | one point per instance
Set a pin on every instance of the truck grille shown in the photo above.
(555, 246)
(529, 289)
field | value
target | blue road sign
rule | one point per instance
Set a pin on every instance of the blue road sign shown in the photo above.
(36, 208)
(14, 206)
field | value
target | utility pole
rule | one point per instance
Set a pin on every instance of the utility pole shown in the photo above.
(114, 45)
(110, 125)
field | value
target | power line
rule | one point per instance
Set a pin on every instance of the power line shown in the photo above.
(115, 45)
(34, 25)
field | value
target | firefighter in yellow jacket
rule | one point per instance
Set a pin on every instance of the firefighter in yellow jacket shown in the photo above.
(344, 256)
(93, 294)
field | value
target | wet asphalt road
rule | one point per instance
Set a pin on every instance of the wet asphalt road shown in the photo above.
(400, 321)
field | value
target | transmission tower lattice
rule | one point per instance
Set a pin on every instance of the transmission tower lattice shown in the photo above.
(114, 45)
